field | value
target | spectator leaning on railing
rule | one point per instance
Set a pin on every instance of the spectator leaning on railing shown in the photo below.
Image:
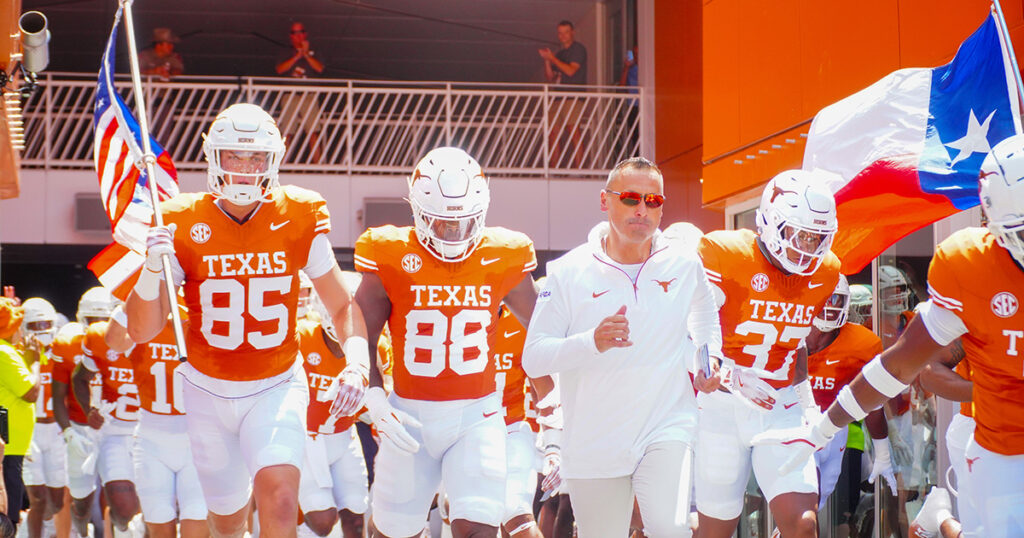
(18, 391)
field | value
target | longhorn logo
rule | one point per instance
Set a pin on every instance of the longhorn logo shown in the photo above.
(776, 191)
(664, 284)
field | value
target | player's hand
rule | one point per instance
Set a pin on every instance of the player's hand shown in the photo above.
(750, 389)
(613, 331)
(347, 392)
(159, 241)
(882, 465)
(78, 444)
(934, 512)
(706, 384)
(9, 293)
(95, 418)
(805, 440)
(391, 422)
(552, 471)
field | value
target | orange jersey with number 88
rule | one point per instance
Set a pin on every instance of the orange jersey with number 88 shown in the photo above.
(443, 314)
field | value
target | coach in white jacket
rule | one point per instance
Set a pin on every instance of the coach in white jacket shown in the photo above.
(618, 321)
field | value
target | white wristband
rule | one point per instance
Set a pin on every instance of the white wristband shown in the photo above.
(119, 316)
(357, 354)
(147, 287)
(878, 377)
(849, 403)
(826, 427)
(550, 437)
(805, 394)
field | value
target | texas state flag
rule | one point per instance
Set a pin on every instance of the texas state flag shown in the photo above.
(906, 150)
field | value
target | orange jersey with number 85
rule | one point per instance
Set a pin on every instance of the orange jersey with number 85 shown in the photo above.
(766, 313)
(241, 279)
(443, 314)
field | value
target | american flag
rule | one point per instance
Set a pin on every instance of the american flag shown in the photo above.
(124, 185)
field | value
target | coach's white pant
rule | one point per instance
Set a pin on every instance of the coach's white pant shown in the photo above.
(333, 473)
(661, 484)
(462, 445)
(725, 456)
(168, 485)
(46, 464)
(995, 484)
(830, 464)
(521, 455)
(233, 438)
(959, 433)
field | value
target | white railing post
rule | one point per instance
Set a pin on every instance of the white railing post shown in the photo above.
(545, 136)
(47, 120)
(448, 114)
(350, 128)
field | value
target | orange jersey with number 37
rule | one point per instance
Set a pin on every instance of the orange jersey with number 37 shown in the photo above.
(976, 279)
(116, 370)
(766, 313)
(154, 363)
(241, 279)
(443, 314)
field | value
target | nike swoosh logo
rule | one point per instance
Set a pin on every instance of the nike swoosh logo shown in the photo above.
(596, 295)
(274, 226)
(485, 261)
(511, 334)
(830, 363)
(811, 285)
(790, 405)
(491, 414)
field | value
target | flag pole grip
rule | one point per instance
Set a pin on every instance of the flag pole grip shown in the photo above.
(150, 161)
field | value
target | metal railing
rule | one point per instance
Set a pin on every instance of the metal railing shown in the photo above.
(358, 127)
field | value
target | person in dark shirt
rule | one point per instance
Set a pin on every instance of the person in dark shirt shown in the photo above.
(567, 67)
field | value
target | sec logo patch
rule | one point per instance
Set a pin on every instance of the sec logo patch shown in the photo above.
(759, 282)
(1004, 304)
(411, 263)
(200, 232)
(313, 358)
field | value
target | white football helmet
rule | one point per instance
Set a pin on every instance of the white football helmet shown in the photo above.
(860, 303)
(40, 320)
(836, 310)
(243, 150)
(1001, 189)
(95, 305)
(797, 221)
(449, 196)
(895, 293)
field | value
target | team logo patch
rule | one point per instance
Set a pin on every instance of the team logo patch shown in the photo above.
(1004, 304)
(665, 283)
(313, 358)
(759, 282)
(200, 232)
(411, 263)
(544, 296)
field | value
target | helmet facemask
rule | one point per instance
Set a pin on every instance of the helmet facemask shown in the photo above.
(449, 196)
(835, 313)
(40, 320)
(244, 150)
(450, 239)
(796, 221)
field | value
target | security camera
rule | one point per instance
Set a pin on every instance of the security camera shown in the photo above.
(35, 41)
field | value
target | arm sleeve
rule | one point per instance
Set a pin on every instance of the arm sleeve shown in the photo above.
(942, 312)
(364, 257)
(702, 321)
(321, 257)
(549, 348)
(14, 375)
(943, 326)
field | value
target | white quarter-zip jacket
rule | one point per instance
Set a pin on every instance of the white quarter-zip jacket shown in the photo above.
(619, 402)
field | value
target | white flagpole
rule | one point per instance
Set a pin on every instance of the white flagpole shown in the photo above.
(150, 161)
(1005, 35)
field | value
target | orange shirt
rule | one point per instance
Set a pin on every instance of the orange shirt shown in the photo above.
(154, 363)
(443, 314)
(963, 369)
(116, 371)
(766, 312)
(241, 280)
(66, 353)
(835, 366)
(976, 279)
(321, 366)
(511, 381)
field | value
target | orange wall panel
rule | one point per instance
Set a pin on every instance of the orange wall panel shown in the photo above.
(721, 78)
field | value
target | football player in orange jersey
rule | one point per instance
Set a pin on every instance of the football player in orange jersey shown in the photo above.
(770, 285)
(104, 345)
(438, 285)
(44, 472)
(237, 251)
(333, 486)
(975, 281)
(837, 350)
(168, 485)
(80, 430)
